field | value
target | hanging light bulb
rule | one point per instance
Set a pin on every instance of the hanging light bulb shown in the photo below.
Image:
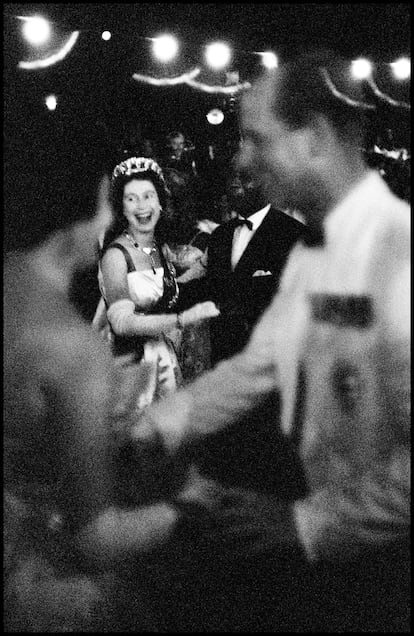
(361, 68)
(269, 59)
(36, 29)
(218, 55)
(401, 68)
(51, 102)
(165, 48)
(215, 116)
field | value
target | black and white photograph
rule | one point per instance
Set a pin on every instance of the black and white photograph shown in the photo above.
(207, 317)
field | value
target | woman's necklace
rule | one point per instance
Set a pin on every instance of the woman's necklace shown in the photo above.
(148, 251)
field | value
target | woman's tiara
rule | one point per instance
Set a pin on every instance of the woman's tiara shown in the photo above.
(137, 164)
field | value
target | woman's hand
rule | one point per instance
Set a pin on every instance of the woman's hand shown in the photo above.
(198, 313)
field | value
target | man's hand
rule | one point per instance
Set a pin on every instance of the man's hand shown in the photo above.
(198, 313)
(165, 422)
(145, 430)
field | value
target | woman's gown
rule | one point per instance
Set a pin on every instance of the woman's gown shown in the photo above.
(153, 292)
(195, 353)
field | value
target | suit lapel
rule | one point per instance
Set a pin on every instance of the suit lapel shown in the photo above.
(256, 245)
(226, 246)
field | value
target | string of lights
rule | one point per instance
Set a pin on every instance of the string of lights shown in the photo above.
(189, 79)
(167, 81)
(386, 98)
(40, 35)
(217, 56)
(57, 56)
(344, 98)
(37, 31)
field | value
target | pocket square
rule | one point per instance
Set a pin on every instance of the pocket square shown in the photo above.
(261, 272)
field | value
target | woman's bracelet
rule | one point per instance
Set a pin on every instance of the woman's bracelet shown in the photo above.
(179, 322)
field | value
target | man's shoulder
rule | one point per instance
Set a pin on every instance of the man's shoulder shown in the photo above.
(279, 217)
(382, 221)
(221, 231)
(281, 227)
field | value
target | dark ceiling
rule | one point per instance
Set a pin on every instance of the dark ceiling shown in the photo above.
(95, 80)
(378, 29)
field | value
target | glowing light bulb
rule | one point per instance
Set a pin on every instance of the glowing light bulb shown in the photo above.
(269, 59)
(361, 68)
(36, 30)
(51, 102)
(402, 68)
(218, 55)
(215, 116)
(165, 48)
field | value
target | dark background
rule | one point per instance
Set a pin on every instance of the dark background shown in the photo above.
(96, 91)
(94, 83)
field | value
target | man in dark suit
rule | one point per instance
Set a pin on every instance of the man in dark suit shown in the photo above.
(243, 265)
(245, 259)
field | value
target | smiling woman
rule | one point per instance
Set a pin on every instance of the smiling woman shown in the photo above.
(139, 286)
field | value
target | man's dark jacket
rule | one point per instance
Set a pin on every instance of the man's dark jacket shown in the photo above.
(251, 453)
(243, 294)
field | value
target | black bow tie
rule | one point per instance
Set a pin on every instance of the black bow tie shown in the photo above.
(241, 221)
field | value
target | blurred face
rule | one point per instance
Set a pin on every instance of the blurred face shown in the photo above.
(147, 148)
(141, 206)
(275, 155)
(244, 196)
(177, 145)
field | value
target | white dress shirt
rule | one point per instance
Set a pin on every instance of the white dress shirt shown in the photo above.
(243, 235)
